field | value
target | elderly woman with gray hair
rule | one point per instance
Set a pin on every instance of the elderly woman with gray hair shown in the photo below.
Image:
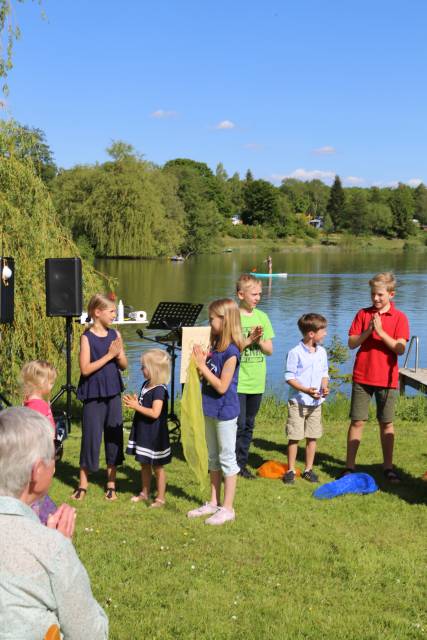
(42, 581)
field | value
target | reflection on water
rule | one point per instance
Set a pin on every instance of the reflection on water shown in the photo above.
(329, 282)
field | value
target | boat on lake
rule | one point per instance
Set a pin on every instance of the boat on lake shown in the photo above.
(177, 258)
(268, 275)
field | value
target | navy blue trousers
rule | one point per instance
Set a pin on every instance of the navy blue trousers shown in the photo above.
(249, 407)
(102, 416)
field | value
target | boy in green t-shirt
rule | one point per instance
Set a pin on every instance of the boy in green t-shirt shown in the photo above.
(257, 333)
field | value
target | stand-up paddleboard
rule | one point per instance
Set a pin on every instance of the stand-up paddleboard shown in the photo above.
(268, 275)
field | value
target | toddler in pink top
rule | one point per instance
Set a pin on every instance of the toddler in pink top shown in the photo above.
(37, 380)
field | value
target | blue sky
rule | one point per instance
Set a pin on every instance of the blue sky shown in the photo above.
(304, 89)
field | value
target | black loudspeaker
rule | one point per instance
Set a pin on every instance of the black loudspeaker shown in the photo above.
(63, 287)
(7, 290)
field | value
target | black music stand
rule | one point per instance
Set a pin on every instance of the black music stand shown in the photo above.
(172, 316)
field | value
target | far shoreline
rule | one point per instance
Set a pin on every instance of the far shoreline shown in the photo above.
(335, 243)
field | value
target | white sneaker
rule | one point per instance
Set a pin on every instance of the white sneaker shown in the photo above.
(206, 509)
(221, 516)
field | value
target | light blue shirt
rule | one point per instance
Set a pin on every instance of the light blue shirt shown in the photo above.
(308, 368)
(42, 581)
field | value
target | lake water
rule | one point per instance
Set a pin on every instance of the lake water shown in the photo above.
(327, 281)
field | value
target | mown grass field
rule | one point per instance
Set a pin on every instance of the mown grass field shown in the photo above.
(353, 568)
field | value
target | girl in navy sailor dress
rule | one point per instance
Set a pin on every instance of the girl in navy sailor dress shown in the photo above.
(149, 437)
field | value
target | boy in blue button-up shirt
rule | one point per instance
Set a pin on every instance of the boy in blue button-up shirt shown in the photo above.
(307, 375)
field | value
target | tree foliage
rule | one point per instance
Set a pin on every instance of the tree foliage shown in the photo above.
(261, 203)
(402, 207)
(31, 232)
(25, 143)
(124, 208)
(420, 204)
(198, 194)
(336, 204)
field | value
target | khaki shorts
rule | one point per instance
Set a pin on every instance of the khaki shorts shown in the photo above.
(304, 422)
(361, 395)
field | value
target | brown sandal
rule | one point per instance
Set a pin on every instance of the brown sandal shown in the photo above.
(79, 494)
(111, 494)
(157, 504)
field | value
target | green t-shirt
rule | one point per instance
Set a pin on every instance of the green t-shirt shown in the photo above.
(253, 368)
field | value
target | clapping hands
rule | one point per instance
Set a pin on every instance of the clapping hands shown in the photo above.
(199, 355)
(255, 335)
(116, 347)
(131, 401)
(63, 520)
(377, 324)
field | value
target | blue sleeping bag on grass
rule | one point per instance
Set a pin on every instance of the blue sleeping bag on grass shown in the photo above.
(360, 483)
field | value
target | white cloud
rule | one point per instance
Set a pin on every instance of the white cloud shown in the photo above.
(383, 185)
(353, 181)
(163, 114)
(326, 150)
(414, 182)
(304, 175)
(253, 146)
(225, 124)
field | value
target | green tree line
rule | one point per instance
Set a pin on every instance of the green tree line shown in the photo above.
(129, 206)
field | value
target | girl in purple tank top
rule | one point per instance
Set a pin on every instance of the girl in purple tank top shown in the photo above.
(102, 356)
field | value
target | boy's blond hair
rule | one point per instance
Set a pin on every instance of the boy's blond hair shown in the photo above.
(384, 280)
(158, 364)
(36, 375)
(228, 310)
(247, 280)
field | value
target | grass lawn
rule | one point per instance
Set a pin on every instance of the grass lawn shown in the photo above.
(289, 566)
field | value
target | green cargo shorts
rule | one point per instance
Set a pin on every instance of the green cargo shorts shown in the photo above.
(361, 395)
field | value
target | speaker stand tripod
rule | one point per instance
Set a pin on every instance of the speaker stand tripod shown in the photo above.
(67, 388)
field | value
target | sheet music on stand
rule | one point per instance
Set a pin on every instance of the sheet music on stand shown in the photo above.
(174, 315)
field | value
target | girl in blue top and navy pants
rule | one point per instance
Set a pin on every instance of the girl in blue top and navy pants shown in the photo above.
(102, 357)
(221, 407)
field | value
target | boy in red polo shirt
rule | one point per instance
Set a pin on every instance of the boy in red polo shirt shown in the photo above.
(381, 331)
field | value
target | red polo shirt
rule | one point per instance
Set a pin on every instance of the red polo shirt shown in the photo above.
(375, 363)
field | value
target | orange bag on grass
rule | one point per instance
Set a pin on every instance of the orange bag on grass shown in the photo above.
(274, 470)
